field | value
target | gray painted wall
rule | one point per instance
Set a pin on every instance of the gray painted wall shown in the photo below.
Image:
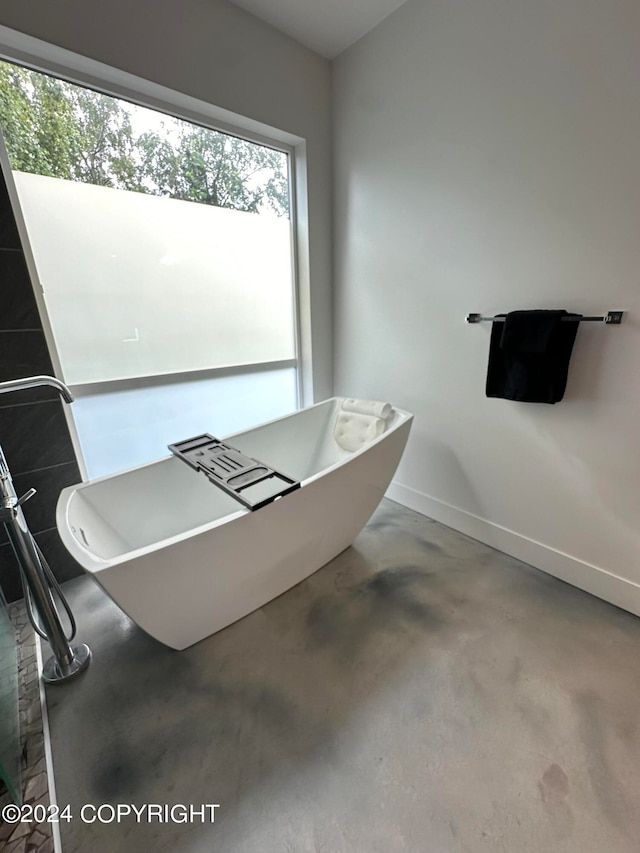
(486, 159)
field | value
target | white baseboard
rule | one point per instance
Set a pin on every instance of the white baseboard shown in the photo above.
(599, 582)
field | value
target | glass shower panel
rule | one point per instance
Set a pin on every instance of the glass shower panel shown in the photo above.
(9, 718)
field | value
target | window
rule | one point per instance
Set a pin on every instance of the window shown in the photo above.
(164, 250)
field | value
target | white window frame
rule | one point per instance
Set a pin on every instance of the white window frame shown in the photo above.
(50, 59)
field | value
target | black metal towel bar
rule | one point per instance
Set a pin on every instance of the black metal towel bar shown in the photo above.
(612, 318)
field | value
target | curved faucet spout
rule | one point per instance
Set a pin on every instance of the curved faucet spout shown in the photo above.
(36, 382)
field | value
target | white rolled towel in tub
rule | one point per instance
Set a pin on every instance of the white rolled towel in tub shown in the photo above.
(368, 407)
(359, 422)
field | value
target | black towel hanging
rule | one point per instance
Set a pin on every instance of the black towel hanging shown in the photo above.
(529, 355)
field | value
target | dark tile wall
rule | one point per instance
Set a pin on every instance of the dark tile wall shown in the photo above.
(33, 429)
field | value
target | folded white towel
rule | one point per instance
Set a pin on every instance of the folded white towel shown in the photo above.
(368, 407)
(353, 430)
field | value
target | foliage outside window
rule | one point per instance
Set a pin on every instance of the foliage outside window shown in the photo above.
(60, 130)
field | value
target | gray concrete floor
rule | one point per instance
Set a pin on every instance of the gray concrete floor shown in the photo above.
(422, 692)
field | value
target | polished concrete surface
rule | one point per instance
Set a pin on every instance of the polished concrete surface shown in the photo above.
(422, 692)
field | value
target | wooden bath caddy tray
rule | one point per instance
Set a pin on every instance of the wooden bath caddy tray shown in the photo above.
(247, 480)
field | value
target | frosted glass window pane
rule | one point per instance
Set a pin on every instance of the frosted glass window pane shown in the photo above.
(125, 428)
(139, 285)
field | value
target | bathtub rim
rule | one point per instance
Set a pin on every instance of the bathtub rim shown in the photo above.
(94, 564)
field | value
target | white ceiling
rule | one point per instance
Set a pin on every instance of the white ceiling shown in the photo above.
(326, 26)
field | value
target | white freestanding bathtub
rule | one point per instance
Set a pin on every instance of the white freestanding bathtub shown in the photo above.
(183, 559)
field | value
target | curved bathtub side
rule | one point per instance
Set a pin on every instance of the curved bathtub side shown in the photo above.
(193, 588)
